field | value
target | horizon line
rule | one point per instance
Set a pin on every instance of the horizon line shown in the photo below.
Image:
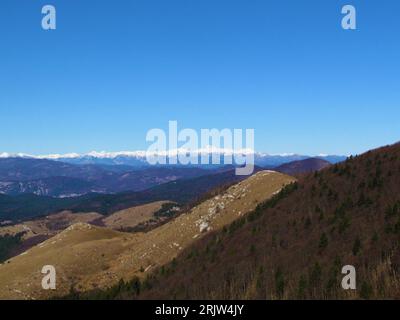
(174, 152)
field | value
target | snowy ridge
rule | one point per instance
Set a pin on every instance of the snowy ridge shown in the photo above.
(142, 154)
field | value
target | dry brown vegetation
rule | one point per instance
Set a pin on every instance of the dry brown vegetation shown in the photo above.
(40, 229)
(132, 217)
(49, 225)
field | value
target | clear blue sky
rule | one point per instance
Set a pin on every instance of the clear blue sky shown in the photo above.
(114, 69)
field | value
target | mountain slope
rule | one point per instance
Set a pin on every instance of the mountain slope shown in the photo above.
(52, 186)
(31, 232)
(88, 257)
(303, 166)
(295, 246)
(23, 169)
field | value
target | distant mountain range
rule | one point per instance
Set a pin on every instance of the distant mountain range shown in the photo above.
(74, 175)
(138, 158)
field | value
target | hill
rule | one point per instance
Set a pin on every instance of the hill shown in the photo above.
(24, 169)
(89, 257)
(303, 166)
(30, 233)
(131, 218)
(295, 245)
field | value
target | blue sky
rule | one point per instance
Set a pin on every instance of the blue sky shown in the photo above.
(115, 69)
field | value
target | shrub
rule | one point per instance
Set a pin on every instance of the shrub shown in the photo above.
(366, 291)
(356, 246)
(8, 243)
(315, 275)
(302, 287)
(279, 283)
(323, 241)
